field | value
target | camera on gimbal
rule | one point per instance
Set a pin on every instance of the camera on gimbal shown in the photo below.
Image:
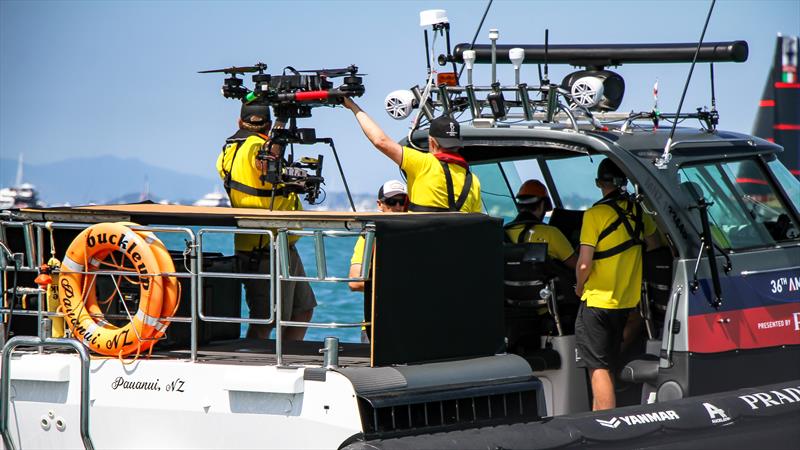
(293, 95)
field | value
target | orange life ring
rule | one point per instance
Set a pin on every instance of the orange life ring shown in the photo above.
(171, 290)
(76, 289)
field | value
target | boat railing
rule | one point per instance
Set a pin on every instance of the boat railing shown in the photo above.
(284, 274)
(5, 386)
(34, 234)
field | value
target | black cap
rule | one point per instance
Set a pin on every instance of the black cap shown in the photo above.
(609, 171)
(446, 131)
(254, 113)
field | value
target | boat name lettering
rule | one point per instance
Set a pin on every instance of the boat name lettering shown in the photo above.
(175, 385)
(772, 398)
(122, 383)
(637, 419)
(121, 241)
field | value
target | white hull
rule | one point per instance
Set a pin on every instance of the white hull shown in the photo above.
(177, 404)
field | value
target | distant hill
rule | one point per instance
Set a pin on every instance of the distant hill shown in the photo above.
(103, 178)
(111, 179)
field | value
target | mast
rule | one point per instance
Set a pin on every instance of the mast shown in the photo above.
(778, 118)
(18, 181)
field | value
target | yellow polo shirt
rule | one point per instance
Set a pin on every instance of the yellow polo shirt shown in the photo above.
(614, 282)
(427, 185)
(358, 252)
(558, 247)
(243, 169)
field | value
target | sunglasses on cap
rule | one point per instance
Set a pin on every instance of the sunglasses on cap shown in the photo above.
(394, 201)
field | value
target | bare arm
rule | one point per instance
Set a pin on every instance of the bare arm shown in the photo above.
(355, 272)
(375, 134)
(583, 267)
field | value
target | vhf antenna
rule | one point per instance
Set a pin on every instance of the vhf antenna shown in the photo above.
(474, 38)
(663, 161)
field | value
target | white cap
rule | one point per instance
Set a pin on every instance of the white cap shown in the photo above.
(392, 188)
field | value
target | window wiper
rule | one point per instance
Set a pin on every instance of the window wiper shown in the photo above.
(707, 244)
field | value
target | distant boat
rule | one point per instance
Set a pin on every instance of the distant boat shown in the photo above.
(778, 118)
(21, 195)
(215, 198)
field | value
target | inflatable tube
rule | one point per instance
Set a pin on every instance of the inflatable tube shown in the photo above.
(84, 254)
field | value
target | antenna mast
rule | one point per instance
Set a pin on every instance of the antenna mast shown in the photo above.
(662, 161)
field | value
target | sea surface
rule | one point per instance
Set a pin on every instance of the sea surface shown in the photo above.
(335, 301)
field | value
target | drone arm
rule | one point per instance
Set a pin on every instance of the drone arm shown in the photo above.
(375, 134)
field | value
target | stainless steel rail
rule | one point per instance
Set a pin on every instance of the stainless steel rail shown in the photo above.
(5, 384)
(203, 274)
(284, 274)
(279, 265)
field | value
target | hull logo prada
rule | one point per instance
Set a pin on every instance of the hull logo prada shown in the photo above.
(772, 398)
(638, 419)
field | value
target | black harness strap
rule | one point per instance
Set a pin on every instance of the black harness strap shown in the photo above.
(453, 204)
(249, 190)
(229, 183)
(635, 232)
(525, 218)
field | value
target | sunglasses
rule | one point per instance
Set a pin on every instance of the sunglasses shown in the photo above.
(394, 201)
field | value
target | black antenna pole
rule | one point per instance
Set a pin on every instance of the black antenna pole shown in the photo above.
(713, 94)
(546, 46)
(474, 38)
(662, 161)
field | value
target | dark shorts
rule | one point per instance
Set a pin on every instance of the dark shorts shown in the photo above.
(297, 295)
(598, 336)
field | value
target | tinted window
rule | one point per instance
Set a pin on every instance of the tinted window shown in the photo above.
(788, 182)
(745, 211)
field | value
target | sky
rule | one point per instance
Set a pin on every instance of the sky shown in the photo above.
(91, 78)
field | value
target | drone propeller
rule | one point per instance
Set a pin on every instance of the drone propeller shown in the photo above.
(260, 67)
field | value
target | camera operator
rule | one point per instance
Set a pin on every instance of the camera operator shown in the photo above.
(439, 180)
(241, 166)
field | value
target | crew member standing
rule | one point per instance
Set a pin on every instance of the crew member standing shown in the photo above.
(609, 278)
(392, 197)
(439, 180)
(532, 203)
(241, 165)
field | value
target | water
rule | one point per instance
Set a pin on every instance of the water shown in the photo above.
(335, 301)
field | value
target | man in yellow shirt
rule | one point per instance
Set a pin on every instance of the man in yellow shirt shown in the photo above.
(241, 171)
(532, 203)
(609, 278)
(392, 197)
(439, 180)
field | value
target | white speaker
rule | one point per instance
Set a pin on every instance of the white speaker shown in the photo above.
(399, 104)
(587, 91)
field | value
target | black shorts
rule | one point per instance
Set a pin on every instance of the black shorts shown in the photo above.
(598, 336)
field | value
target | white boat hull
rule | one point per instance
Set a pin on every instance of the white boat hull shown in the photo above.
(178, 404)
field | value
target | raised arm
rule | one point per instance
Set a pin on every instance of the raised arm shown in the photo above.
(375, 134)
